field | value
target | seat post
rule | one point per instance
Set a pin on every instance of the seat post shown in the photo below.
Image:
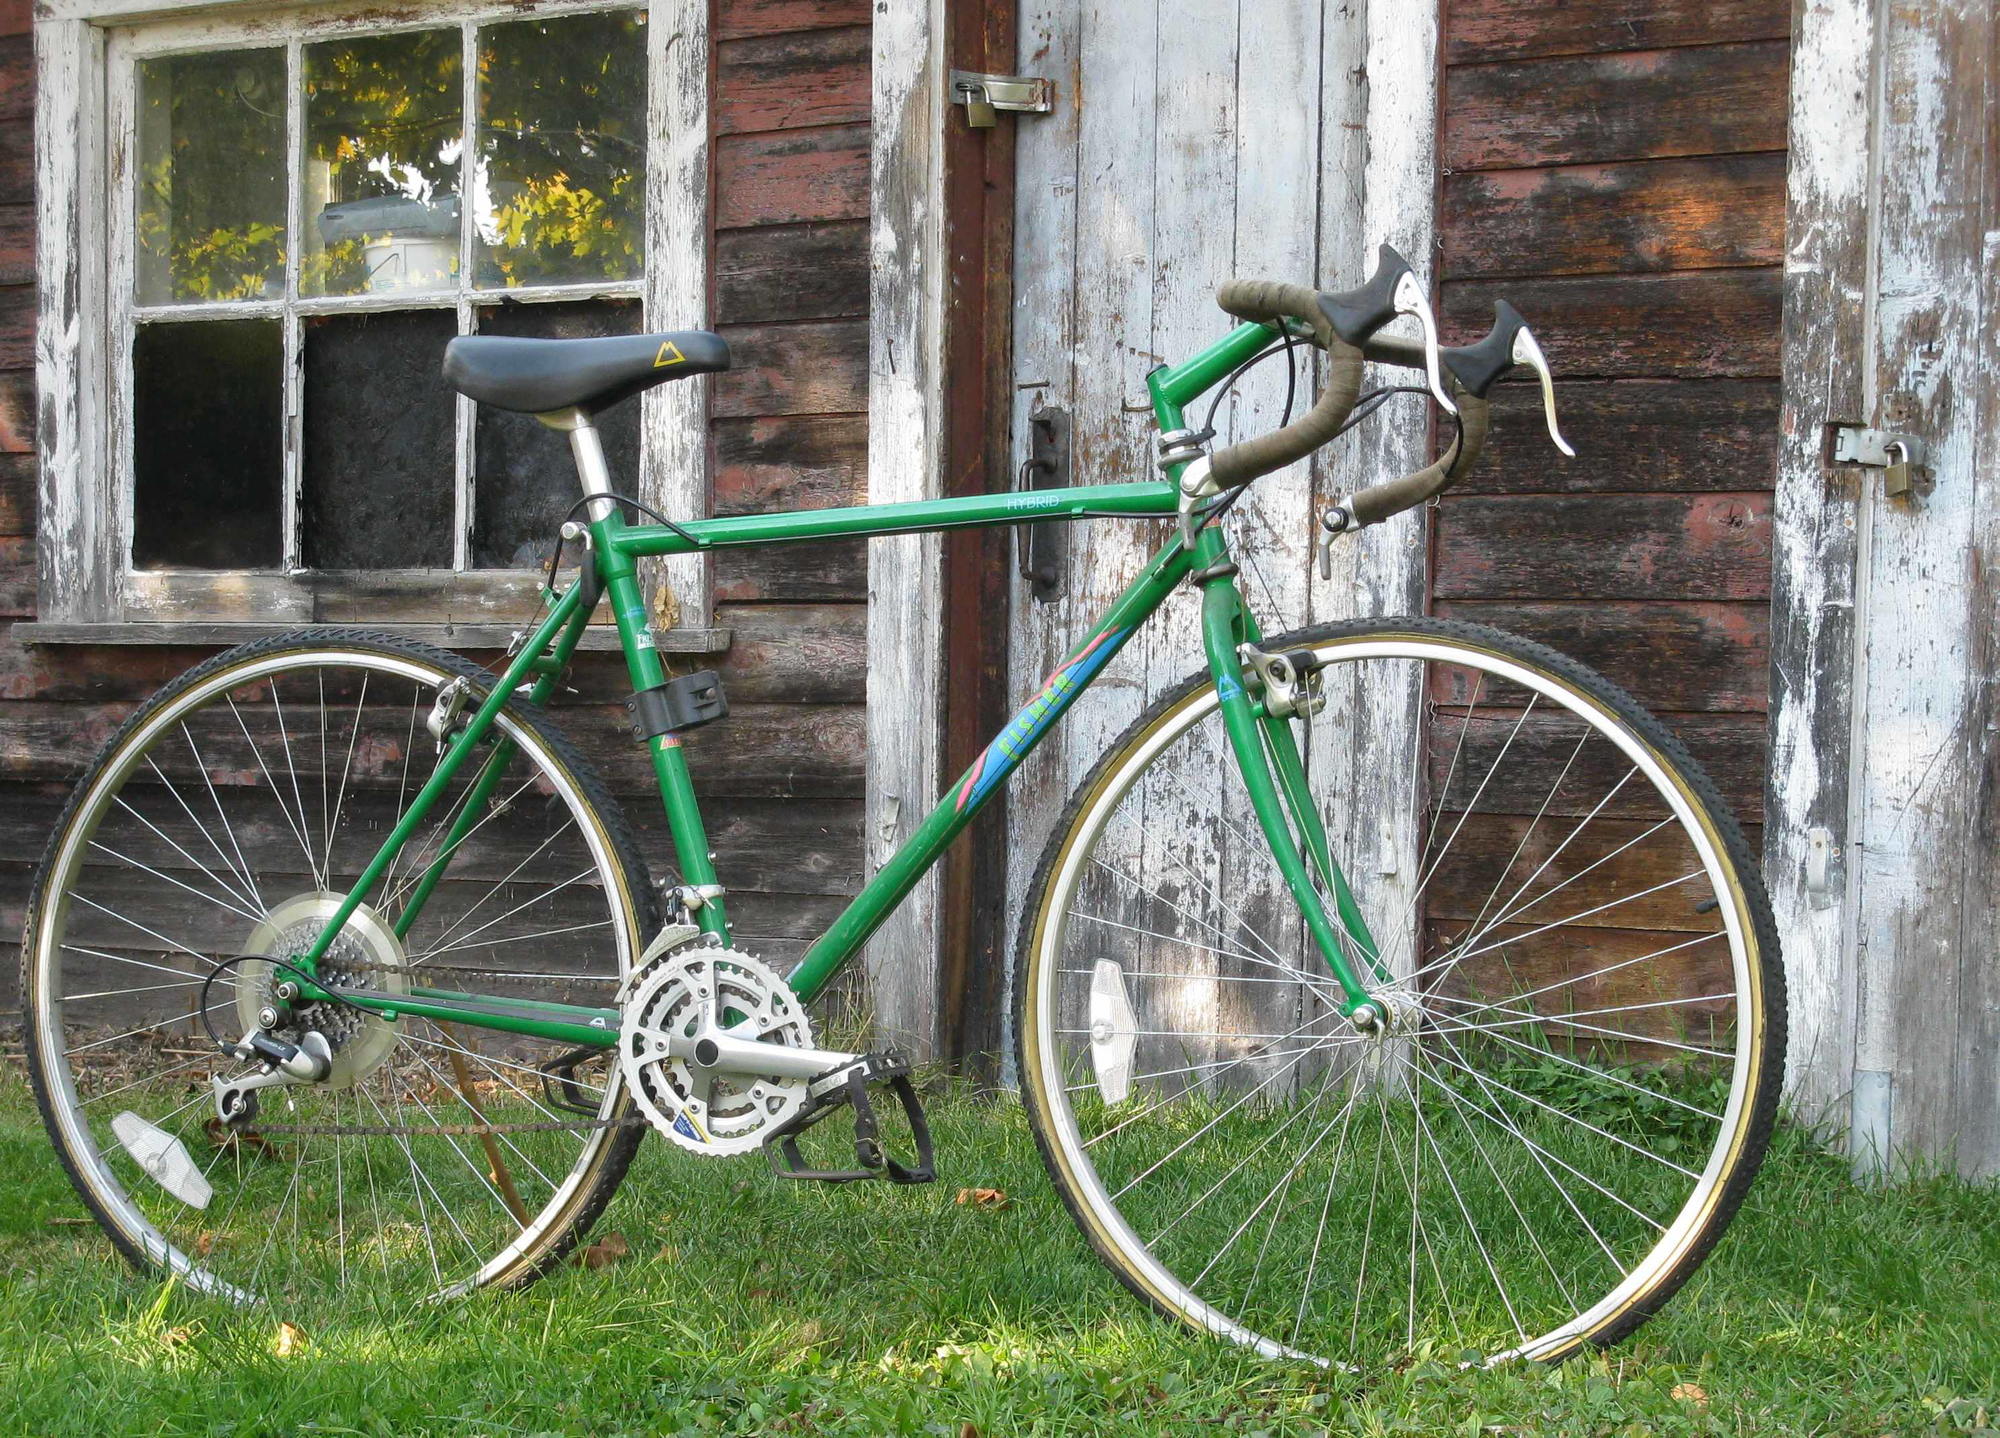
(586, 448)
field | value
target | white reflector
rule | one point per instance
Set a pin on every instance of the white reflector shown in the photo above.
(1113, 1034)
(164, 1157)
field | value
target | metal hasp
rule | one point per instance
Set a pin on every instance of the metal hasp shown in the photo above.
(1894, 454)
(1040, 550)
(983, 95)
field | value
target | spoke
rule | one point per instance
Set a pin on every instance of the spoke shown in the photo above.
(1488, 1082)
(346, 768)
(1460, 955)
(1575, 978)
(154, 1077)
(294, 824)
(1290, 974)
(502, 1063)
(168, 839)
(1528, 828)
(466, 942)
(215, 798)
(1200, 882)
(1471, 1225)
(1318, 1041)
(292, 771)
(146, 1028)
(187, 983)
(224, 979)
(1541, 1156)
(1570, 1022)
(1326, 1203)
(493, 810)
(499, 885)
(205, 897)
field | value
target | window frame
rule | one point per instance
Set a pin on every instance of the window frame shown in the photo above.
(87, 57)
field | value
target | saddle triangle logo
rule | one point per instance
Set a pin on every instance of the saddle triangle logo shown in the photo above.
(670, 353)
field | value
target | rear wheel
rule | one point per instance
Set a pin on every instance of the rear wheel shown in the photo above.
(217, 831)
(1580, 1069)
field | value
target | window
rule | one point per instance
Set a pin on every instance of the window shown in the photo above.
(296, 212)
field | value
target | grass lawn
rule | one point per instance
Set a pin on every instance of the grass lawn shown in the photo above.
(748, 1305)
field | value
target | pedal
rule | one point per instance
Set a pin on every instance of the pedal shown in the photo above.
(847, 1087)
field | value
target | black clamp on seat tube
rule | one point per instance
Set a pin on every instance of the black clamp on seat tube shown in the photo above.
(684, 703)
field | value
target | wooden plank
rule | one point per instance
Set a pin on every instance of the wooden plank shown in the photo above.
(818, 367)
(17, 74)
(17, 411)
(1713, 323)
(1636, 105)
(790, 462)
(17, 326)
(17, 162)
(17, 244)
(17, 17)
(1669, 656)
(1608, 874)
(1542, 756)
(794, 573)
(79, 558)
(1815, 523)
(813, 751)
(791, 81)
(908, 262)
(791, 272)
(17, 493)
(1603, 547)
(17, 577)
(796, 654)
(1928, 973)
(785, 178)
(739, 18)
(1643, 435)
(1477, 30)
(1636, 217)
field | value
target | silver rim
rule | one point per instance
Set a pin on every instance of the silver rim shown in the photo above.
(1544, 1131)
(434, 1160)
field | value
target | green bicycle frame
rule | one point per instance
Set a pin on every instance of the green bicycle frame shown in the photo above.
(1265, 750)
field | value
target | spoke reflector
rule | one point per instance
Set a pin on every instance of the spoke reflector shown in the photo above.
(1113, 1032)
(164, 1157)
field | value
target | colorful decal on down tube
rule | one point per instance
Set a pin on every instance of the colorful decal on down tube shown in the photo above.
(1012, 745)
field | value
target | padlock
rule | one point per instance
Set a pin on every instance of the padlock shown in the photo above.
(1896, 474)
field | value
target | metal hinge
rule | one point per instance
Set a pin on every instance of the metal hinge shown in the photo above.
(1896, 455)
(983, 95)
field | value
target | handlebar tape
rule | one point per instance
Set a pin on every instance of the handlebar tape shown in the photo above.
(1241, 463)
(1379, 502)
(1267, 302)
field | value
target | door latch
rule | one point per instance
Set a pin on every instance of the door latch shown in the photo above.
(1040, 551)
(1896, 455)
(983, 95)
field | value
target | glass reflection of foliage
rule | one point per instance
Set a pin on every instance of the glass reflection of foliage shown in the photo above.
(560, 194)
(384, 116)
(211, 157)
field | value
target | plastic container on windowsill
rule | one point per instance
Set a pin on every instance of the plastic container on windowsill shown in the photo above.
(407, 244)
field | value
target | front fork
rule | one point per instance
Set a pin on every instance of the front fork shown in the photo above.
(1274, 775)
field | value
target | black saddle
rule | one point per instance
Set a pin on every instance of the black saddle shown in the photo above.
(539, 376)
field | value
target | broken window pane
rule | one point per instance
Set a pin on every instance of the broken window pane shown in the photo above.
(560, 187)
(211, 157)
(379, 438)
(384, 132)
(207, 445)
(524, 482)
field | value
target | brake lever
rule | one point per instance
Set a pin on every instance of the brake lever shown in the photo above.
(1391, 291)
(1509, 343)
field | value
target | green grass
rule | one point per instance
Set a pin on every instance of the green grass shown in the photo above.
(747, 1305)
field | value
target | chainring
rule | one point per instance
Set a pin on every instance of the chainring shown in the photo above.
(706, 1110)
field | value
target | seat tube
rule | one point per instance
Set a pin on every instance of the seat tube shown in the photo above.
(1222, 631)
(620, 574)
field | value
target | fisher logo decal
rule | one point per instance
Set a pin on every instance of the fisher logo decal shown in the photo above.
(1012, 745)
(670, 354)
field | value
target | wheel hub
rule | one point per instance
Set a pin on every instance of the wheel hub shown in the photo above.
(365, 954)
(668, 1050)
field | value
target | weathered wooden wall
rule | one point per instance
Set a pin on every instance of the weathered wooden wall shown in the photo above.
(790, 206)
(1616, 168)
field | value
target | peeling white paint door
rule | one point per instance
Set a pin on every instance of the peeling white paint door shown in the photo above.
(1884, 842)
(1192, 142)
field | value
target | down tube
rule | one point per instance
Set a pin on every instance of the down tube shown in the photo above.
(830, 953)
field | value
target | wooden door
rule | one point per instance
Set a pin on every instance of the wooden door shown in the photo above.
(1883, 846)
(1192, 142)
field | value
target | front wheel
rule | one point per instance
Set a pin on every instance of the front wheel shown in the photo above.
(1586, 1011)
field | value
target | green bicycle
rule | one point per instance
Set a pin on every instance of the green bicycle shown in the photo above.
(342, 963)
